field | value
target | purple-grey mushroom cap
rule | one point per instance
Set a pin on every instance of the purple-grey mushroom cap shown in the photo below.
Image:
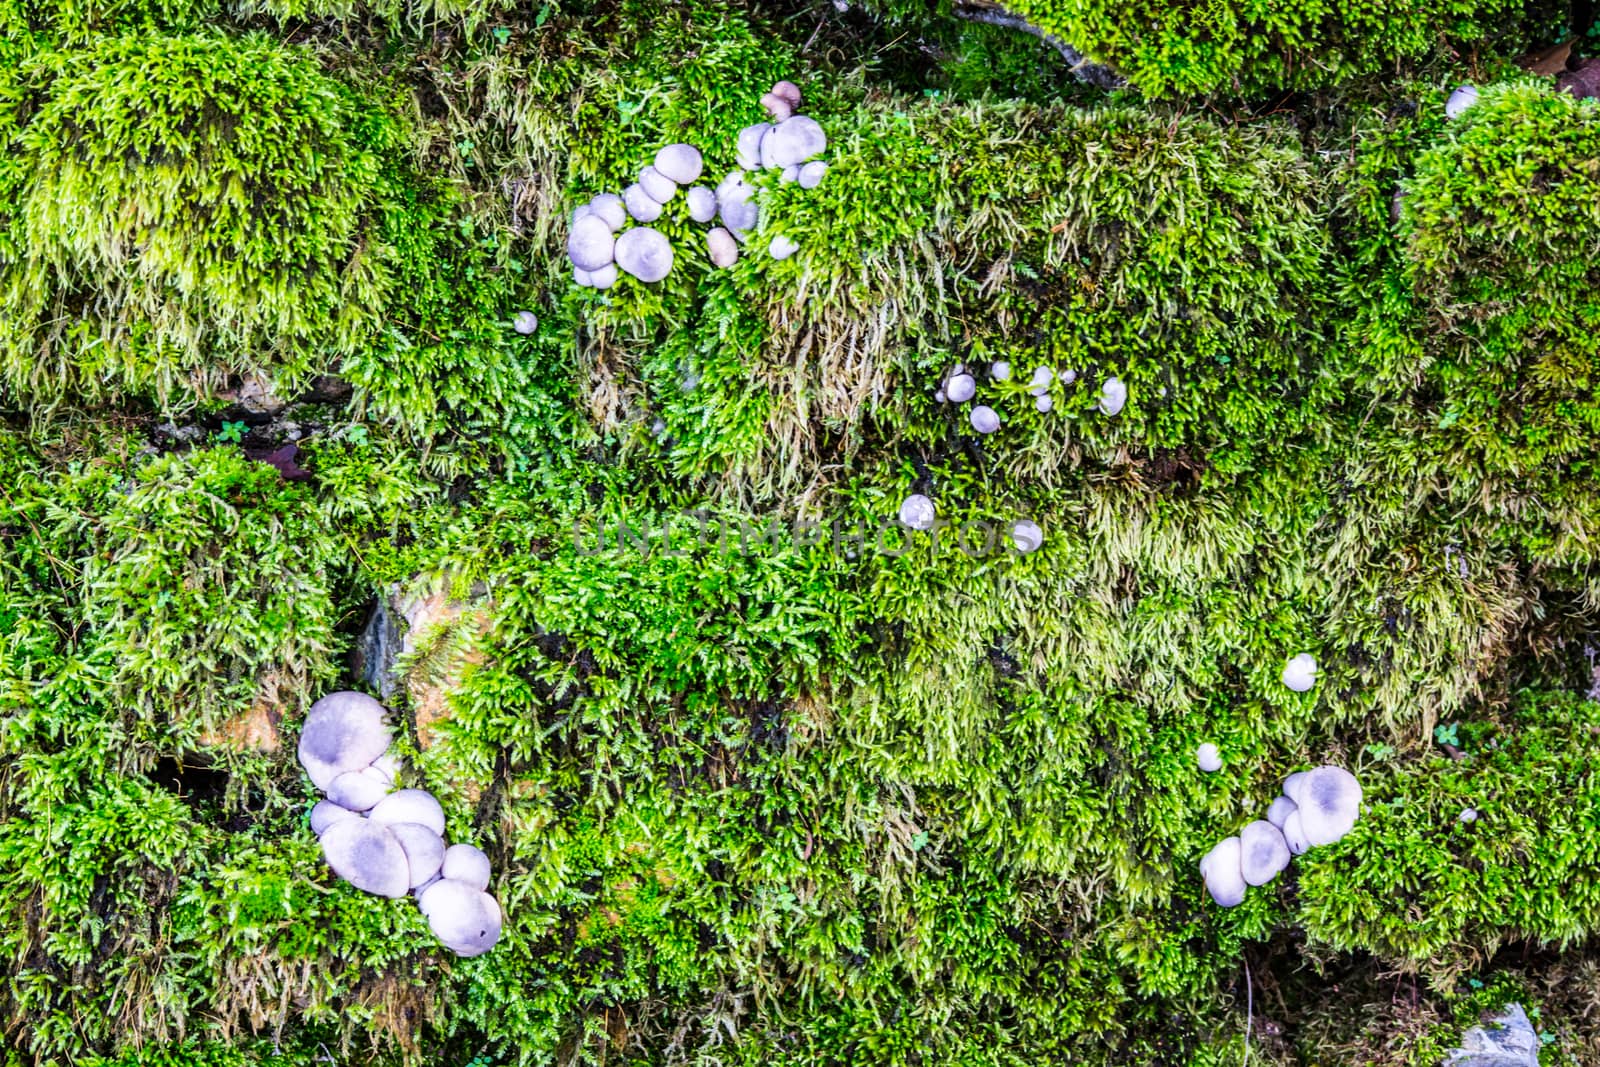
(736, 203)
(605, 277)
(589, 244)
(645, 254)
(410, 805)
(789, 91)
(1263, 853)
(782, 247)
(424, 851)
(748, 150)
(608, 207)
(1209, 758)
(960, 388)
(984, 419)
(1044, 404)
(794, 140)
(469, 864)
(1460, 100)
(812, 173)
(917, 512)
(789, 175)
(1294, 834)
(582, 211)
(680, 162)
(356, 791)
(1026, 536)
(640, 205)
(1329, 803)
(1280, 811)
(325, 813)
(1291, 785)
(724, 250)
(583, 278)
(1113, 396)
(465, 919)
(1222, 873)
(367, 856)
(657, 186)
(778, 107)
(702, 203)
(343, 732)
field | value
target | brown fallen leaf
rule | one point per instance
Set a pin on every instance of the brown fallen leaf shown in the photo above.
(1547, 61)
(1582, 81)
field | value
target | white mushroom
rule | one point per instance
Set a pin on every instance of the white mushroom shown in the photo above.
(1463, 98)
(680, 162)
(702, 203)
(367, 856)
(644, 253)
(1294, 835)
(1000, 371)
(736, 204)
(1291, 786)
(657, 186)
(1221, 870)
(377, 774)
(1026, 536)
(1300, 673)
(983, 419)
(724, 250)
(525, 323)
(605, 277)
(1280, 810)
(343, 732)
(1262, 852)
(1043, 404)
(1113, 396)
(794, 140)
(812, 173)
(424, 851)
(582, 277)
(389, 764)
(1329, 803)
(782, 247)
(465, 919)
(581, 211)
(1209, 758)
(325, 813)
(938, 396)
(960, 388)
(609, 208)
(1039, 384)
(354, 790)
(1468, 815)
(776, 106)
(467, 863)
(641, 205)
(589, 245)
(748, 151)
(410, 805)
(917, 512)
(789, 175)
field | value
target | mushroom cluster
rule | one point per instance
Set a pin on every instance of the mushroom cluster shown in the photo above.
(389, 841)
(960, 386)
(599, 246)
(917, 512)
(1318, 807)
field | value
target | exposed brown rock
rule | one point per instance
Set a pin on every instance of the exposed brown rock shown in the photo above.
(255, 729)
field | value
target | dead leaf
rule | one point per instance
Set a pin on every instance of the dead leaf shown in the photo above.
(283, 459)
(1583, 81)
(1548, 61)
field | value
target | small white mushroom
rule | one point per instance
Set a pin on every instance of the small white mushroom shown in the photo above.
(736, 204)
(609, 208)
(1280, 810)
(1468, 815)
(581, 211)
(644, 253)
(657, 186)
(1291, 786)
(589, 245)
(354, 790)
(1069, 376)
(782, 247)
(410, 805)
(640, 204)
(1221, 870)
(983, 419)
(525, 323)
(343, 732)
(938, 396)
(748, 150)
(794, 140)
(466, 920)
(1043, 404)
(1262, 852)
(1039, 384)
(1294, 835)
(812, 173)
(377, 774)
(389, 764)
(582, 277)
(702, 203)
(917, 512)
(325, 813)
(1000, 371)
(367, 856)
(1329, 803)
(724, 250)
(1026, 536)
(1209, 758)
(1300, 673)
(776, 106)
(680, 162)
(467, 863)
(424, 851)
(790, 174)
(1463, 98)
(960, 388)
(605, 277)
(789, 91)
(1113, 396)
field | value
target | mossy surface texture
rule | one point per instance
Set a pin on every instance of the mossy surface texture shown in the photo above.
(766, 788)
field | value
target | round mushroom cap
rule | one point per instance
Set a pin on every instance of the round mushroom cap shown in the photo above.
(605, 277)
(1221, 870)
(374, 773)
(343, 732)
(1000, 371)
(789, 175)
(1468, 815)
(1069, 375)
(960, 388)
(581, 211)
(589, 244)
(1294, 835)
(1039, 384)
(1262, 852)
(525, 323)
(1291, 786)
(367, 856)
(467, 863)
(794, 140)
(983, 419)
(424, 851)
(789, 91)
(1113, 396)
(1300, 673)
(1330, 801)
(325, 813)
(640, 204)
(389, 764)
(657, 186)
(938, 396)
(702, 203)
(812, 173)
(465, 919)
(410, 805)
(917, 512)
(1209, 758)
(583, 278)
(680, 162)
(778, 107)
(1280, 810)
(782, 247)
(609, 208)
(723, 248)
(1463, 98)
(356, 791)
(1026, 535)
(645, 254)
(748, 150)
(1044, 404)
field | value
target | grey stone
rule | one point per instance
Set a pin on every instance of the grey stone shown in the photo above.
(1508, 1040)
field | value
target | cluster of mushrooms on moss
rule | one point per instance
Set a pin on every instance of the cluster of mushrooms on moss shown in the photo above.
(1318, 807)
(961, 385)
(599, 246)
(388, 841)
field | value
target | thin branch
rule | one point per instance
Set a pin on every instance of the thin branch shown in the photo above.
(1086, 69)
